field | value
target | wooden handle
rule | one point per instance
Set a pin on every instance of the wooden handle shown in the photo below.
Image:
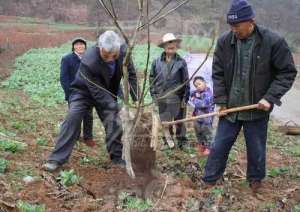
(218, 113)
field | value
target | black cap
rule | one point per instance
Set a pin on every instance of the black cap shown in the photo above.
(78, 39)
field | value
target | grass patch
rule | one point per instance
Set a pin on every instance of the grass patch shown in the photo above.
(15, 177)
(202, 162)
(295, 151)
(129, 203)
(11, 146)
(275, 172)
(41, 142)
(27, 207)
(217, 191)
(69, 178)
(21, 172)
(3, 165)
(269, 206)
(196, 43)
(41, 82)
(297, 208)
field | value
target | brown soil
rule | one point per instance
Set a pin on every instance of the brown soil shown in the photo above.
(143, 156)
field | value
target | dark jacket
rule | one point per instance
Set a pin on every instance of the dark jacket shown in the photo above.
(68, 69)
(273, 69)
(92, 79)
(161, 83)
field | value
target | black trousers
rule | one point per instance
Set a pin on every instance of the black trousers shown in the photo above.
(173, 112)
(70, 129)
(87, 124)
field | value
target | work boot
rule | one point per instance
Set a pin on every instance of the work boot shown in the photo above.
(119, 162)
(207, 185)
(51, 166)
(255, 186)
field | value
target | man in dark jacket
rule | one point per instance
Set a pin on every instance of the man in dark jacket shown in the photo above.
(96, 85)
(251, 65)
(68, 69)
(168, 72)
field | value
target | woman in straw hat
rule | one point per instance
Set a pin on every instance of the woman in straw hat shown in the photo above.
(167, 77)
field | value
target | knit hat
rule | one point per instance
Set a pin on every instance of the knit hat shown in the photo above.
(78, 39)
(240, 11)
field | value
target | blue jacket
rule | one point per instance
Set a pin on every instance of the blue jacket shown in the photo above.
(68, 69)
(203, 103)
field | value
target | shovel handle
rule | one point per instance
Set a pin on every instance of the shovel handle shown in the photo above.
(218, 113)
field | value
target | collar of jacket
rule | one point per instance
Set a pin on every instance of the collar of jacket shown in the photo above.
(93, 60)
(118, 66)
(259, 38)
(163, 56)
(75, 56)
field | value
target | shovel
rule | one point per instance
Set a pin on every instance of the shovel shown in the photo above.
(218, 113)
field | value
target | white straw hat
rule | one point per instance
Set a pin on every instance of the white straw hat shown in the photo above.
(169, 37)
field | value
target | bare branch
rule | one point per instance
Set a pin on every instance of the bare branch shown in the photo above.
(106, 9)
(159, 11)
(148, 58)
(115, 21)
(141, 99)
(113, 9)
(164, 15)
(95, 84)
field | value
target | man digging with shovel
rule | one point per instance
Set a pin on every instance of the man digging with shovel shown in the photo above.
(251, 65)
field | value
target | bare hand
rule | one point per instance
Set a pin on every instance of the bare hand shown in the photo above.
(220, 108)
(264, 105)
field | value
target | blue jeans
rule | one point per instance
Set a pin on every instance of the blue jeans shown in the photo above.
(255, 133)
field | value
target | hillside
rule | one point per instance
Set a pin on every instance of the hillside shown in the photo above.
(281, 15)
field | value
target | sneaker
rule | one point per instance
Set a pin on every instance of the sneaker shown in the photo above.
(119, 162)
(207, 185)
(90, 142)
(50, 166)
(167, 144)
(170, 143)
